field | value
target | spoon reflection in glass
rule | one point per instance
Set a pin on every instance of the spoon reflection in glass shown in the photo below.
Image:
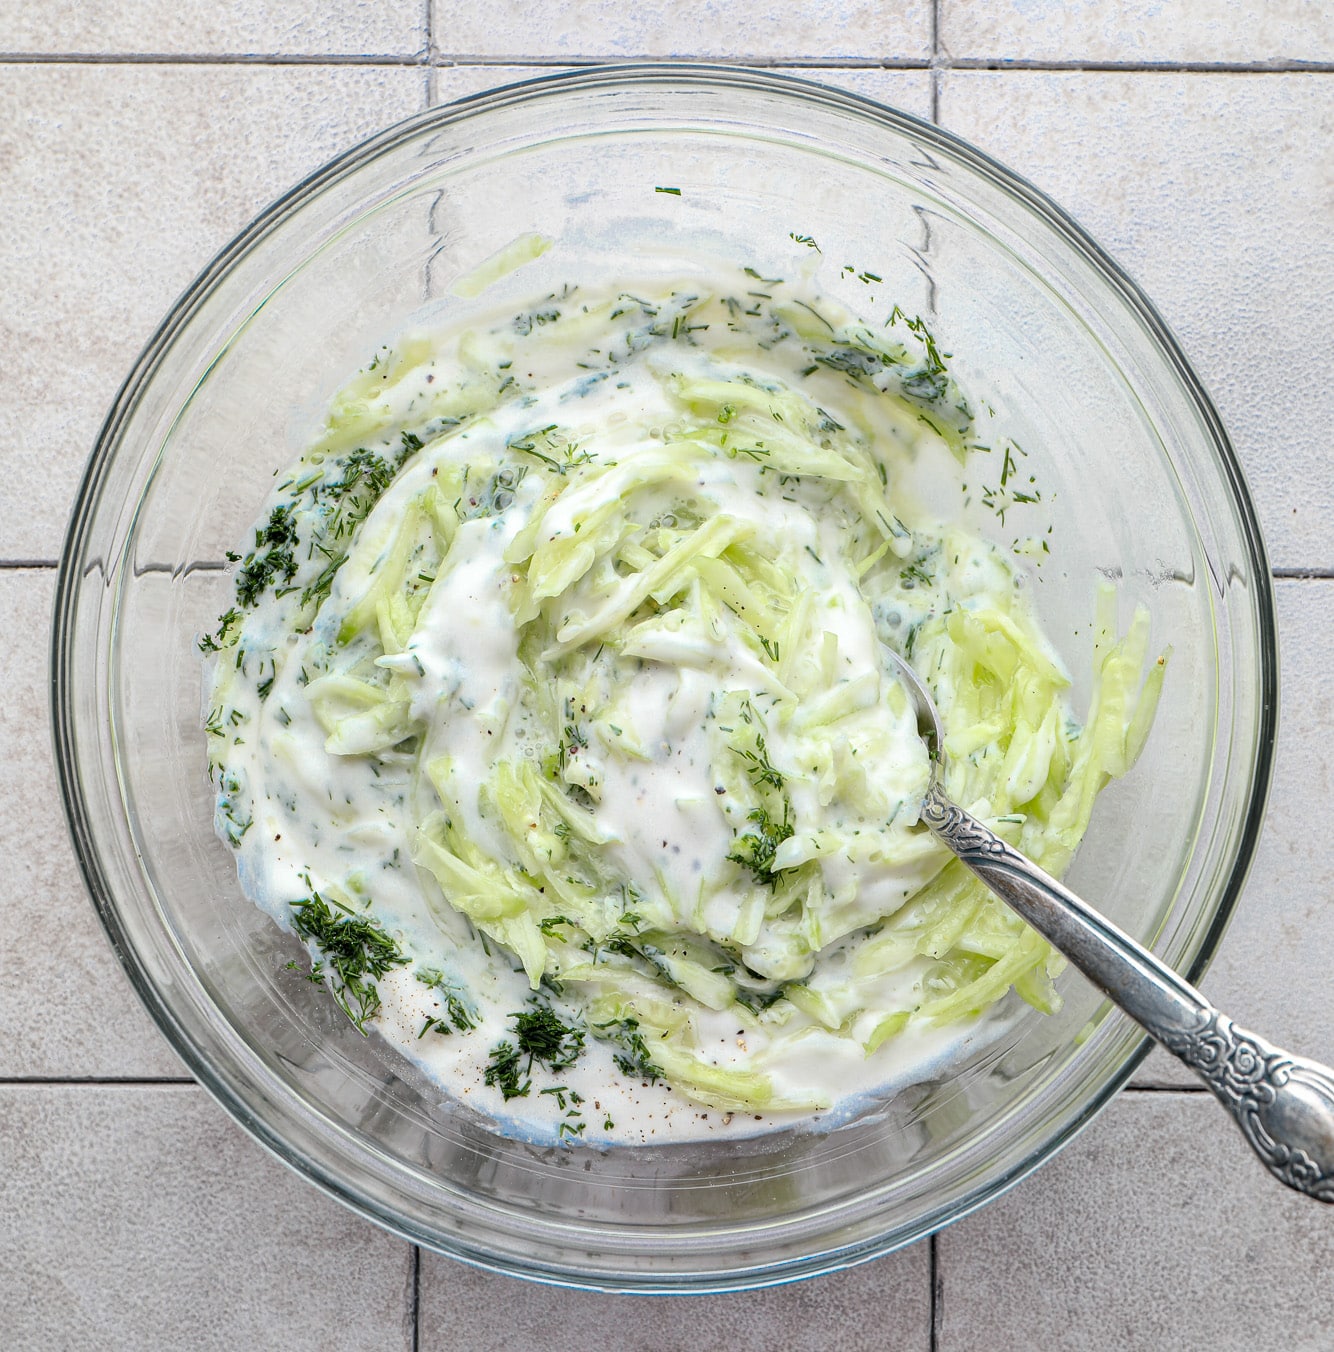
(1283, 1104)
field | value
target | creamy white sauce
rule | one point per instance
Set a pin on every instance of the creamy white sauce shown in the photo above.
(657, 757)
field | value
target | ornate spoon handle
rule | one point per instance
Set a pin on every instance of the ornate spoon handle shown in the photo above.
(1283, 1104)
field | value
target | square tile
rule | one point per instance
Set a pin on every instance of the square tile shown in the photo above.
(66, 1008)
(1216, 193)
(142, 1218)
(882, 1306)
(225, 27)
(1138, 30)
(1157, 1228)
(120, 183)
(719, 30)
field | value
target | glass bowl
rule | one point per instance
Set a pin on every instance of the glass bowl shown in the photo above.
(1141, 487)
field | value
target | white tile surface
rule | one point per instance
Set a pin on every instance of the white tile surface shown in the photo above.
(65, 1007)
(119, 183)
(140, 1218)
(909, 90)
(733, 30)
(1154, 1230)
(1216, 193)
(1138, 30)
(879, 1307)
(222, 27)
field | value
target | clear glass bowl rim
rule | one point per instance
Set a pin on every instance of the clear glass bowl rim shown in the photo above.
(1030, 200)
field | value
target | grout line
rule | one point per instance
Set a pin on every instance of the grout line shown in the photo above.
(1275, 67)
(416, 1298)
(434, 57)
(16, 564)
(935, 61)
(938, 60)
(428, 29)
(1303, 574)
(750, 62)
(933, 1270)
(118, 1081)
(206, 59)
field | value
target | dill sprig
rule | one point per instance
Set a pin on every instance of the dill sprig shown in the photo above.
(233, 825)
(756, 849)
(915, 575)
(458, 1012)
(365, 477)
(545, 1038)
(541, 1036)
(503, 1072)
(229, 622)
(759, 766)
(559, 456)
(356, 950)
(634, 1059)
(273, 557)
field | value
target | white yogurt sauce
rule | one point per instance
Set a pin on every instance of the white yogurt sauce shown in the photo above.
(592, 716)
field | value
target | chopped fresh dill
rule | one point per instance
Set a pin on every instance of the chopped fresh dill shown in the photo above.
(757, 1001)
(503, 1072)
(318, 591)
(759, 765)
(915, 575)
(756, 849)
(633, 1060)
(758, 453)
(525, 323)
(229, 622)
(273, 557)
(559, 456)
(457, 1009)
(356, 952)
(542, 1036)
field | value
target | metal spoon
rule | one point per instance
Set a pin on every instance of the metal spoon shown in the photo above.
(1283, 1104)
